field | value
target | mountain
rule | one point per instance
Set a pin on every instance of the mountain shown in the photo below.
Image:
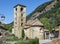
(48, 11)
(39, 9)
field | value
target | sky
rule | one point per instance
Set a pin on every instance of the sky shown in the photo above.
(6, 8)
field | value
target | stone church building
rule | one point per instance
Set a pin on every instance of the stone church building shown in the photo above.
(32, 28)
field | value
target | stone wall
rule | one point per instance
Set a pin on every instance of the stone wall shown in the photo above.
(55, 41)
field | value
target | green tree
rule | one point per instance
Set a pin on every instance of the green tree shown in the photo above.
(46, 23)
(0, 23)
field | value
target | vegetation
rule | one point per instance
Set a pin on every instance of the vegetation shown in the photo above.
(12, 39)
(46, 23)
(52, 15)
(23, 34)
(50, 18)
(39, 9)
(30, 41)
(7, 26)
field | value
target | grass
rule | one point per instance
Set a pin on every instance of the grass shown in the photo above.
(14, 39)
(22, 41)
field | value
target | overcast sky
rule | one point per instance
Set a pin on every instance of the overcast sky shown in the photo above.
(6, 7)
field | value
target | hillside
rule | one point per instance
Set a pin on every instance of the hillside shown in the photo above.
(49, 12)
(39, 9)
(7, 26)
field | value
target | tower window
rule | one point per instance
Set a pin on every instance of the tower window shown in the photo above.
(16, 9)
(21, 24)
(0, 34)
(21, 15)
(21, 19)
(21, 9)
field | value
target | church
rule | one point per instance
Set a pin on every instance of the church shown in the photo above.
(32, 28)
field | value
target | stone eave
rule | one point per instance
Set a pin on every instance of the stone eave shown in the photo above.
(19, 5)
(28, 26)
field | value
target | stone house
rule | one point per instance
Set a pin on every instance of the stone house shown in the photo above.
(34, 29)
(3, 32)
(51, 34)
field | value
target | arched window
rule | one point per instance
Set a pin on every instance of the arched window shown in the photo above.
(21, 24)
(21, 9)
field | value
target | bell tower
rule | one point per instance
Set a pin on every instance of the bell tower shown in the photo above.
(19, 19)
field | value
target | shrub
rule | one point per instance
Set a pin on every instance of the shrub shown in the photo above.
(30, 41)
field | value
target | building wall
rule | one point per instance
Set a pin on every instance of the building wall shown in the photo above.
(19, 20)
(34, 32)
(3, 36)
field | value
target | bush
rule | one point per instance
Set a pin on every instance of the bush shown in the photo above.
(12, 39)
(30, 41)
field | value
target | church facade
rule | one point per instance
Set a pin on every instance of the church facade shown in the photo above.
(32, 28)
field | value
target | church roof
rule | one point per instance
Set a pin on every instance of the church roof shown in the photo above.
(19, 5)
(37, 22)
(33, 23)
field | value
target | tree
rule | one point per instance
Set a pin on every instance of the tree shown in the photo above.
(0, 23)
(46, 23)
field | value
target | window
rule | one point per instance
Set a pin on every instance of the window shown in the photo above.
(0, 34)
(21, 9)
(21, 24)
(16, 9)
(21, 19)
